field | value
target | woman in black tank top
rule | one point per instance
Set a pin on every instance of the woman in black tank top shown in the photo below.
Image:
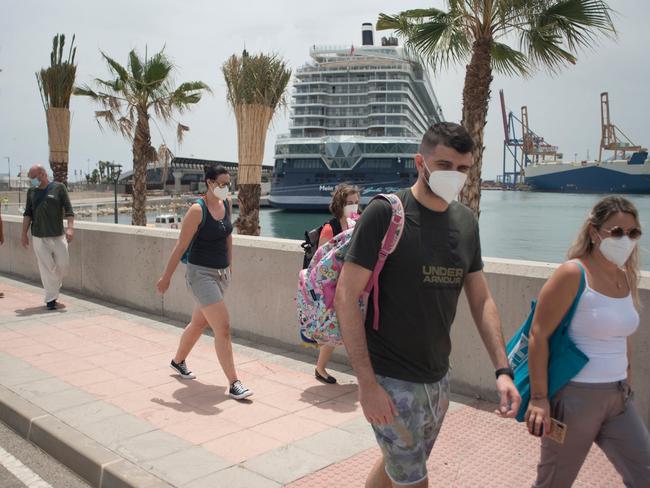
(206, 241)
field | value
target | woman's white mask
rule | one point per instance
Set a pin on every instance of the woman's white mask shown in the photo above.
(350, 210)
(220, 192)
(446, 184)
(617, 250)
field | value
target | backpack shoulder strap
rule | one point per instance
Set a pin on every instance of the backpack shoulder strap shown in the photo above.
(336, 226)
(204, 212)
(388, 245)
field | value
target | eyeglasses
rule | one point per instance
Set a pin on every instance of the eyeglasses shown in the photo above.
(617, 232)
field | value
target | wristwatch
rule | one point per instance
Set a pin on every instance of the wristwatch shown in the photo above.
(507, 371)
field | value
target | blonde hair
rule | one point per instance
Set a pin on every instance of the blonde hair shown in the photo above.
(584, 246)
(339, 197)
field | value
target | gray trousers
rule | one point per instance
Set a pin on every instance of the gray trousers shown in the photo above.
(602, 413)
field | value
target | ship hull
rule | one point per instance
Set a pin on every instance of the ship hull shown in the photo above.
(590, 178)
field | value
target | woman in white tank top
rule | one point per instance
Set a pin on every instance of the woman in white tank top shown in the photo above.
(596, 406)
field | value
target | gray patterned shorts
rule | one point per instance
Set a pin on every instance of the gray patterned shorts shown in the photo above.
(407, 442)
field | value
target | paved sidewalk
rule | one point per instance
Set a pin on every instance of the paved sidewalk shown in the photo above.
(99, 375)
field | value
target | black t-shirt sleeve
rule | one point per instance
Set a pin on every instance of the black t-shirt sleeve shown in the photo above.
(28, 204)
(368, 233)
(65, 201)
(477, 260)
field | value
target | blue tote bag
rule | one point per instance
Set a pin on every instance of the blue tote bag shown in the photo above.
(565, 359)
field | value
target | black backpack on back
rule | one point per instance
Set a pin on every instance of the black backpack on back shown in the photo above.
(313, 236)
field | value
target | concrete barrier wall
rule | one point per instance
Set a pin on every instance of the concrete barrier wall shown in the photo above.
(121, 264)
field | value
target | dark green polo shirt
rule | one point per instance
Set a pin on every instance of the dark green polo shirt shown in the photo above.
(47, 207)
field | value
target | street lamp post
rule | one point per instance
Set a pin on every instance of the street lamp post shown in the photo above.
(8, 170)
(116, 170)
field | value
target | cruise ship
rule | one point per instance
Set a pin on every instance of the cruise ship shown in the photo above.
(358, 114)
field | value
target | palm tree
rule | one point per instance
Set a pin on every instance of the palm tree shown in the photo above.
(481, 33)
(55, 84)
(127, 101)
(256, 88)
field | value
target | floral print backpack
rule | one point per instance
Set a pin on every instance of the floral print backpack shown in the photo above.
(317, 283)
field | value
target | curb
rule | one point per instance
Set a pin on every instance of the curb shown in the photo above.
(97, 465)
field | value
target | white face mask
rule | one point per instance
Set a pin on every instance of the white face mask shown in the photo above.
(617, 251)
(350, 210)
(220, 192)
(446, 184)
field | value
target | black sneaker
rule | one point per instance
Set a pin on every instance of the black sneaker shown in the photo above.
(51, 305)
(181, 369)
(239, 391)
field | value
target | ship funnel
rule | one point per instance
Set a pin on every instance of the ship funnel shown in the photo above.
(366, 34)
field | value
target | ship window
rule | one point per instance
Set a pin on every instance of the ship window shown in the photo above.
(306, 164)
(378, 164)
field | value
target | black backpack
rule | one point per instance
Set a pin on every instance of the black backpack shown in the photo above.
(313, 236)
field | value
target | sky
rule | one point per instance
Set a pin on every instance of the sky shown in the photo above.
(199, 35)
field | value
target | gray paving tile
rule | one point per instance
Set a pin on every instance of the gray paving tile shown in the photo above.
(88, 413)
(358, 426)
(285, 464)
(40, 388)
(150, 445)
(335, 445)
(63, 399)
(234, 477)
(111, 431)
(182, 467)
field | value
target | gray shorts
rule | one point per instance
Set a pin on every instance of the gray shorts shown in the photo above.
(208, 285)
(407, 442)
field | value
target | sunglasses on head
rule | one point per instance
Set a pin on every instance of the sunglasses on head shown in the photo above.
(617, 232)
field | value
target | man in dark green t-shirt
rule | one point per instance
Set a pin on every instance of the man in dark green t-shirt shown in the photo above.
(46, 204)
(402, 367)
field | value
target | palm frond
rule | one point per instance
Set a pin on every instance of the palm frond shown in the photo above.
(256, 80)
(180, 130)
(135, 65)
(509, 61)
(116, 68)
(56, 82)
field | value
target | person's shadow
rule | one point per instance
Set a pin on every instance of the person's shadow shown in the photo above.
(197, 397)
(332, 403)
(39, 310)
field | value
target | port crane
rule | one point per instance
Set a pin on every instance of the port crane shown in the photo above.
(525, 147)
(612, 138)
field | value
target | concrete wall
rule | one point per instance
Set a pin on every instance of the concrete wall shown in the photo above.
(121, 264)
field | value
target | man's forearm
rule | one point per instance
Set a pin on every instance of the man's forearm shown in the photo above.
(26, 223)
(354, 338)
(488, 324)
(70, 222)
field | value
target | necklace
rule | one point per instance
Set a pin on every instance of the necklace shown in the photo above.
(615, 280)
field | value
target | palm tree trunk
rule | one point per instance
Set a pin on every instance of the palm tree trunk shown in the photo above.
(58, 132)
(476, 95)
(252, 125)
(142, 151)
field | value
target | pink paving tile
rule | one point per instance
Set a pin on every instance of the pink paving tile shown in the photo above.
(7, 335)
(87, 349)
(135, 366)
(336, 390)
(289, 377)
(475, 448)
(261, 368)
(151, 350)
(251, 414)
(32, 350)
(262, 387)
(72, 325)
(154, 377)
(67, 365)
(215, 398)
(200, 430)
(292, 400)
(289, 428)
(332, 412)
(18, 342)
(136, 401)
(241, 446)
(165, 415)
(110, 357)
(129, 342)
(88, 377)
(98, 333)
(114, 387)
(37, 332)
